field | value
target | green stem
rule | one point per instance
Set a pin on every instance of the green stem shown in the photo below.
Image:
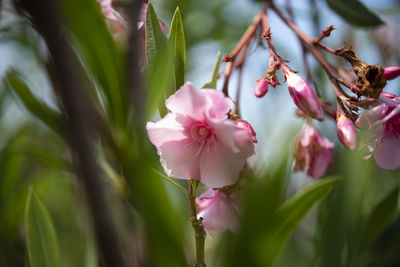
(199, 233)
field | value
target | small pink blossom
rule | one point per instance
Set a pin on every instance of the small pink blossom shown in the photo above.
(391, 72)
(384, 122)
(197, 140)
(312, 152)
(116, 21)
(261, 88)
(303, 95)
(245, 125)
(218, 210)
(347, 134)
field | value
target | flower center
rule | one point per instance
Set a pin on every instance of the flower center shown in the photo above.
(200, 132)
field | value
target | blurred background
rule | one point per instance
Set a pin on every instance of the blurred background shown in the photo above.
(356, 224)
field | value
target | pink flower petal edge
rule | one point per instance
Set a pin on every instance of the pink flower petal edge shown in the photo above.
(384, 122)
(303, 95)
(217, 209)
(312, 152)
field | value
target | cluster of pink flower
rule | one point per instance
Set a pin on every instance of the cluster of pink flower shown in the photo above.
(314, 153)
(198, 140)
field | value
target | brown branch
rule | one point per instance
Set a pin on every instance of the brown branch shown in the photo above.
(245, 40)
(310, 43)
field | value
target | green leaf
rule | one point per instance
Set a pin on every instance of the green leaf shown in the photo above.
(177, 46)
(355, 12)
(41, 237)
(103, 61)
(38, 108)
(380, 217)
(289, 215)
(155, 38)
(213, 82)
(161, 82)
(161, 77)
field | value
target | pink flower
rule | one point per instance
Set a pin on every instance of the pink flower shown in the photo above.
(347, 134)
(312, 152)
(384, 122)
(261, 88)
(391, 72)
(197, 140)
(218, 210)
(116, 21)
(303, 95)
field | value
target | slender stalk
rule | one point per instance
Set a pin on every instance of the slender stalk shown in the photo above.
(243, 42)
(199, 233)
(310, 44)
(304, 50)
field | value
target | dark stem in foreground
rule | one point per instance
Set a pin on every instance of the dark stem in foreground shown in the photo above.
(199, 233)
(80, 124)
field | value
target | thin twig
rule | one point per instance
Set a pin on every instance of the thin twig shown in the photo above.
(199, 233)
(230, 59)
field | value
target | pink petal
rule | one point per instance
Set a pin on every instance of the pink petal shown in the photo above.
(347, 133)
(220, 105)
(387, 155)
(261, 88)
(164, 28)
(142, 12)
(224, 131)
(244, 141)
(307, 134)
(165, 130)
(368, 119)
(179, 159)
(247, 126)
(188, 101)
(391, 72)
(320, 163)
(304, 96)
(220, 215)
(220, 166)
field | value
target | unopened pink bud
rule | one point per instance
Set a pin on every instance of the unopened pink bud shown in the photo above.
(245, 125)
(347, 134)
(261, 88)
(304, 96)
(389, 95)
(391, 72)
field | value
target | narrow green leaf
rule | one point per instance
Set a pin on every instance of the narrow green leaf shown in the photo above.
(161, 82)
(161, 77)
(155, 38)
(38, 108)
(379, 218)
(289, 215)
(172, 182)
(355, 12)
(41, 237)
(177, 46)
(102, 58)
(213, 82)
